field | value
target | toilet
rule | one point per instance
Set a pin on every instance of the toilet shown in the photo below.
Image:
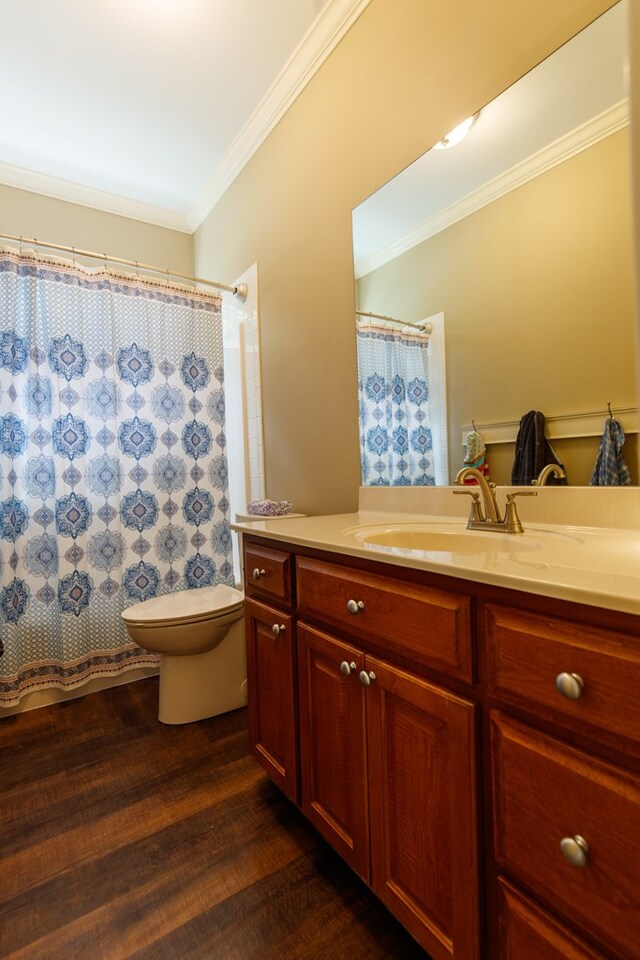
(199, 635)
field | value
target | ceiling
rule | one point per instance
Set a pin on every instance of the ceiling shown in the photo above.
(569, 101)
(150, 108)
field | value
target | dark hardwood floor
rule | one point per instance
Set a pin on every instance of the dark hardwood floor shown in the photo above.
(123, 838)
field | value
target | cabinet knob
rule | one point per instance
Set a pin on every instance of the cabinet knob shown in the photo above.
(257, 573)
(366, 679)
(355, 606)
(570, 685)
(277, 629)
(346, 669)
(575, 850)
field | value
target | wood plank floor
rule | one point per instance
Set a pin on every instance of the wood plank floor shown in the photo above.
(123, 838)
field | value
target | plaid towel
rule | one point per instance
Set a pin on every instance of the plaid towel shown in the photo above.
(610, 469)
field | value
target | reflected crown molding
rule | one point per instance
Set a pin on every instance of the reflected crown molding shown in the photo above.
(583, 137)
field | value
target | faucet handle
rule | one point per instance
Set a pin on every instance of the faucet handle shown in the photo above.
(511, 519)
(476, 507)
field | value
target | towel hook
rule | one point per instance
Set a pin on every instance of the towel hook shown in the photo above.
(609, 409)
(473, 424)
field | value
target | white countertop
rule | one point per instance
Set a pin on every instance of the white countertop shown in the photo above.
(595, 565)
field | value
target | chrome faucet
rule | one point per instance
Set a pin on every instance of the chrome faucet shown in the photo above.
(546, 472)
(489, 518)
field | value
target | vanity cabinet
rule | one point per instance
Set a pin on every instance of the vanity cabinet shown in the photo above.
(271, 665)
(388, 777)
(471, 751)
(566, 820)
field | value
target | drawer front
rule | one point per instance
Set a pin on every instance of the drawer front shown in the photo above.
(428, 626)
(528, 933)
(267, 573)
(526, 653)
(546, 792)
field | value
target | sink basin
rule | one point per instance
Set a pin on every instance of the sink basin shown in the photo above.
(444, 538)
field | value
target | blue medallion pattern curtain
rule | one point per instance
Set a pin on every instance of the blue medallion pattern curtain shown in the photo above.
(113, 474)
(396, 447)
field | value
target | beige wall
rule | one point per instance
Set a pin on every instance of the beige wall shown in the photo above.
(536, 289)
(27, 214)
(634, 33)
(405, 74)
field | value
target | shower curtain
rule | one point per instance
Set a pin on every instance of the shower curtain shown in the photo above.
(113, 474)
(396, 447)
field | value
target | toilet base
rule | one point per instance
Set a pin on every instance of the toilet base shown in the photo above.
(205, 684)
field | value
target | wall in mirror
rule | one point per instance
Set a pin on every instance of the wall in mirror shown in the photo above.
(520, 237)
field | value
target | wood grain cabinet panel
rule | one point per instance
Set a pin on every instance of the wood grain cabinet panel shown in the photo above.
(428, 626)
(546, 791)
(529, 933)
(388, 777)
(272, 700)
(267, 573)
(333, 750)
(526, 652)
(423, 808)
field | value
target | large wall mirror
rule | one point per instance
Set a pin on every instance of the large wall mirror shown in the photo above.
(517, 243)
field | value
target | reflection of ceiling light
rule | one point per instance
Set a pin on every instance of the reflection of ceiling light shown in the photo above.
(458, 133)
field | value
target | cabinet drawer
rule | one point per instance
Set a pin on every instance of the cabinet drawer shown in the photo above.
(526, 653)
(546, 792)
(528, 933)
(267, 573)
(428, 626)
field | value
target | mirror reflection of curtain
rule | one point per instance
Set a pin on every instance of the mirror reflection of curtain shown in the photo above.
(396, 446)
(113, 476)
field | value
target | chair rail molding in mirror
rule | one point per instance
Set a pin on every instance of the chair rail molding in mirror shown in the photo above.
(520, 235)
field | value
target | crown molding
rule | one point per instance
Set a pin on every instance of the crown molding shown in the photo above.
(60, 189)
(321, 39)
(583, 137)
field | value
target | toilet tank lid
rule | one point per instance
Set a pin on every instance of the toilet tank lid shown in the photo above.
(184, 604)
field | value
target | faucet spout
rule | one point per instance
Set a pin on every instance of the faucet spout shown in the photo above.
(546, 472)
(490, 504)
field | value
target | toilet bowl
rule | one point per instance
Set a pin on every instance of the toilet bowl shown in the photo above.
(199, 635)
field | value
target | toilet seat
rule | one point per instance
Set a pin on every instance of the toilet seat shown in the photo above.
(185, 606)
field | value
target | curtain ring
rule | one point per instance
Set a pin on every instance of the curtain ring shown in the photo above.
(20, 248)
(73, 255)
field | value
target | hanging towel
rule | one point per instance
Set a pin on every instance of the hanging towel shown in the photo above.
(476, 456)
(610, 469)
(533, 452)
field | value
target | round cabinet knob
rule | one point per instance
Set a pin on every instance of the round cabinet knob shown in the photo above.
(570, 685)
(346, 669)
(575, 850)
(366, 679)
(257, 573)
(355, 606)
(277, 629)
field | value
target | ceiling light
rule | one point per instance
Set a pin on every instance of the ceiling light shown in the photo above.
(458, 133)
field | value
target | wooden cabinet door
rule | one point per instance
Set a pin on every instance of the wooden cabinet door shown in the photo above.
(271, 686)
(333, 758)
(422, 790)
(528, 933)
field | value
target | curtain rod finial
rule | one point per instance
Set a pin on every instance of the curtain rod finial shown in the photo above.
(241, 292)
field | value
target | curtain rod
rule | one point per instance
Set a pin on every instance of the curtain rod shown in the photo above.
(426, 327)
(240, 292)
